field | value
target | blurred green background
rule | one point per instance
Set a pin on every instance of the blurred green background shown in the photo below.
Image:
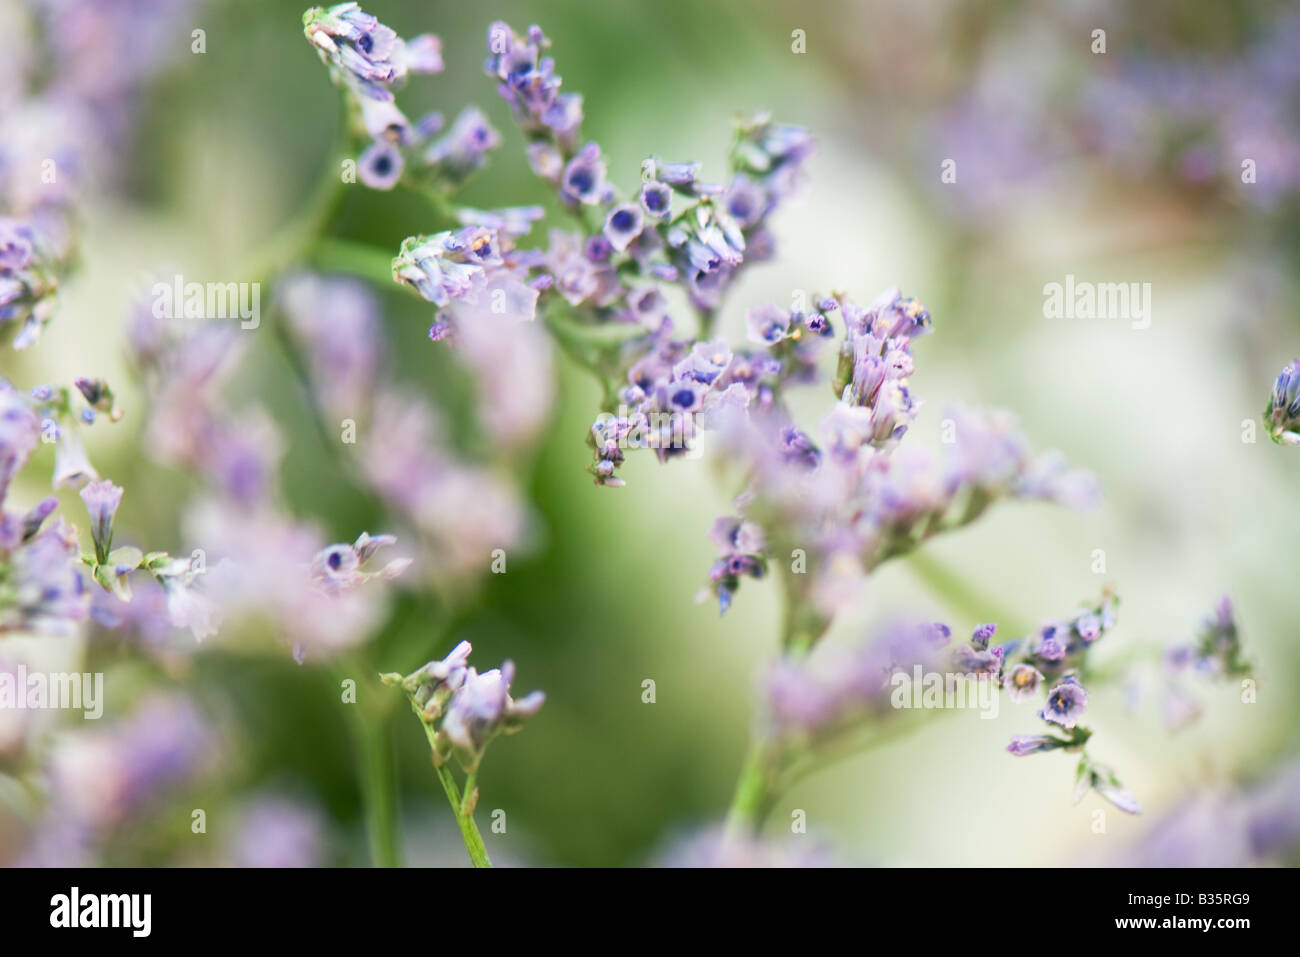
(230, 143)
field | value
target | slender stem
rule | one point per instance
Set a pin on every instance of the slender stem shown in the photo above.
(376, 777)
(478, 854)
(377, 790)
(464, 820)
(753, 797)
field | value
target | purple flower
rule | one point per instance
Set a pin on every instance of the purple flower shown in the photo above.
(583, 180)
(481, 709)
(977, 661)
(462, 149)
(384, 122)
(72, 468)
(102, 500)
(745, 201)
(1022, 681)
(1066, 703)
(337, 324)
(656, 200)
(623, 224)
(1023, 744)
(361, 52)
(529, 83)
(424, 54)
(48, 595)
(20, 433)
(277, 832)
(380, 166)
(338, 568)
(447, 265)
(767, 324)
(981, 635)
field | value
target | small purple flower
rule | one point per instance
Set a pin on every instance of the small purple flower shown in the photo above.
(384, 121)
(361, 52)
(424, 54)
(480, 709)
(462, 149)
(1023, 744)
(971, 660)
(1066, 703)
(767, 324)
(745, 201)
(1022, 681)
(380, 166)
(980, 637)
(1089, 627)
(656, 200)
(584, 178)
(1047, 645)
(72, 468)
(623, 224)
(677, 175)
(447, 265)
(102, 500)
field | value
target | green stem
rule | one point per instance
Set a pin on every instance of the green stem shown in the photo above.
(377, 790)
(465, 821)
(754, 794)
(478, 854)
(373, 746)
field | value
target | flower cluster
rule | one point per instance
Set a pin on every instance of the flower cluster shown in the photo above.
(469, 272)
(462, 709)
(370, 61)
(858, 499)
(1282, 414)
(1167, 117)
(28, 282)
(529, 83)
(99, 780)
(66, 130)
(1058, 651)
(809, 704)
(462, 508)
(254, 564)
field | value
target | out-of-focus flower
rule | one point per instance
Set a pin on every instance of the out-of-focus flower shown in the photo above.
(810, 703)
(337, 321)
(103, 777)
(277, 832)
(713, 847)
(102, 500)
(462, 149)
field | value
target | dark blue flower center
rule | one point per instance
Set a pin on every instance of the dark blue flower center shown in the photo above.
(365, 44)
(581, 180)
(683, 397)
(623, 220)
